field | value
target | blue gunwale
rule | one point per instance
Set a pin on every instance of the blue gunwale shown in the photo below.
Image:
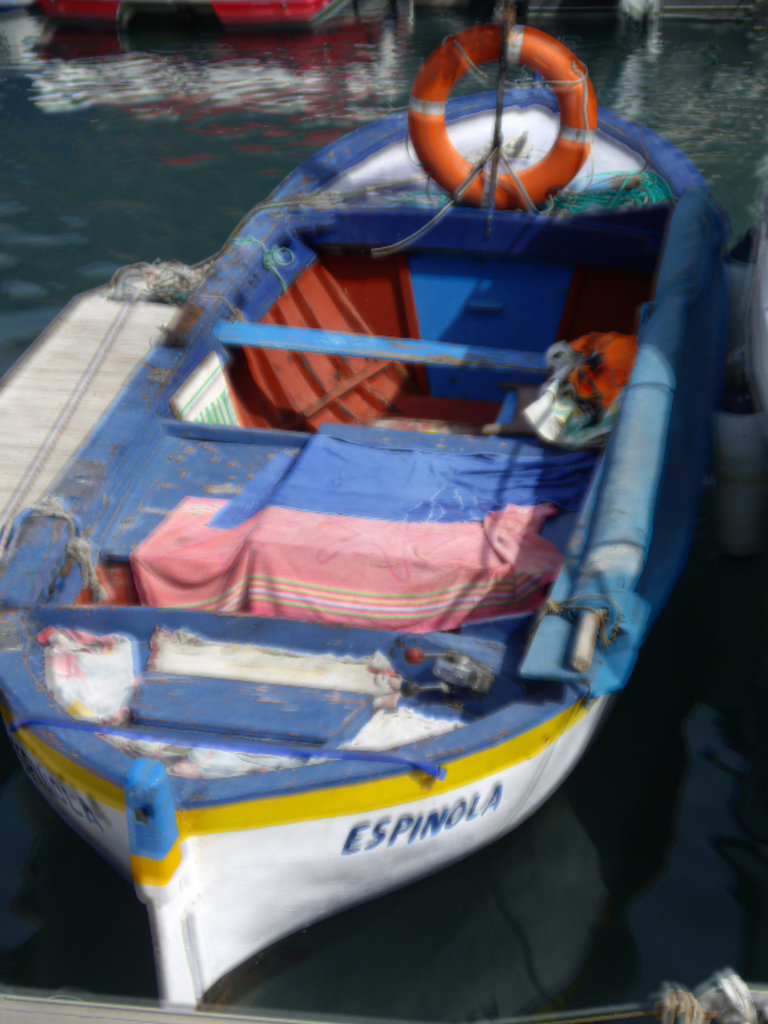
(332, 161)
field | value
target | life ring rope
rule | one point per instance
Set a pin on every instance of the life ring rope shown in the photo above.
(561, 71)
(528, 202)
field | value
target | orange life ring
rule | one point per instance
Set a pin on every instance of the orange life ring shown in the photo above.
(535, 50)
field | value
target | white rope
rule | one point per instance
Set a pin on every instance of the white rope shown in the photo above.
(162, 281)
(728, 998)
(679, 1006)
(725, 999)
(78, 548)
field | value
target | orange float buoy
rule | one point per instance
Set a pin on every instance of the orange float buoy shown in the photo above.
(608, 360)
(566, 76)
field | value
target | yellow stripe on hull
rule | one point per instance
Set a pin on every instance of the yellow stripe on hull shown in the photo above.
(146, 871)
(372, 796)
(68, 771)
(328, 802)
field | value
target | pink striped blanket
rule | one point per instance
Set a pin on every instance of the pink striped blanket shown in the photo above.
(415, 576)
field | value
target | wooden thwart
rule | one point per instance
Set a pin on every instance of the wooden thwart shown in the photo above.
(408, 350)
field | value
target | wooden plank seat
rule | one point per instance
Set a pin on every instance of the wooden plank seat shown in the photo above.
(409, 350)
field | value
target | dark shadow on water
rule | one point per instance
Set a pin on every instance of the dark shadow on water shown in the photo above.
(83, 929)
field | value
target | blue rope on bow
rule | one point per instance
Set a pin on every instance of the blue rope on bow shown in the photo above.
(239, 744)
(273, 258)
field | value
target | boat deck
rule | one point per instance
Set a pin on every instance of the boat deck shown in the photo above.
(51, 399)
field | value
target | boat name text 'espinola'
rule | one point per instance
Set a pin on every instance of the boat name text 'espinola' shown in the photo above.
(409, 828)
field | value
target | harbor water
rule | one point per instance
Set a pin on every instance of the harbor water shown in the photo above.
(651, 863)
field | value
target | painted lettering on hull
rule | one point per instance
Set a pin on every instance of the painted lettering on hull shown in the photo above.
(55, 789)
(404, 829)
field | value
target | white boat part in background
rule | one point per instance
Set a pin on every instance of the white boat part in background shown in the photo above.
(741, 429)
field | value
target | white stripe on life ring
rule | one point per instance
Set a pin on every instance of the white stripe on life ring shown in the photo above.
(515, 44)
(429, 107)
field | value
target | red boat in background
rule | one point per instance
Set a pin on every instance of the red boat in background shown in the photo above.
(250, 14)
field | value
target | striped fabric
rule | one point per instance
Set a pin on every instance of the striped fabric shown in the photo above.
(344, 570)
(204, 396)
(410, 576)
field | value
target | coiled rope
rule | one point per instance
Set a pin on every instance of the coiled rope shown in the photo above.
(725, 998)
(78, 548)
(633, 189)
(273, 257)
(681, 1006)
(603, 607)
(162, 281)
(173, 282)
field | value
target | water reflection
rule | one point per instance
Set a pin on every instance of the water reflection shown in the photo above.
(677, 776)
(16, 851)
(155, 76)
(702, 86)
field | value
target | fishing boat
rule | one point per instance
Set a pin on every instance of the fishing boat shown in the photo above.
(342, 584)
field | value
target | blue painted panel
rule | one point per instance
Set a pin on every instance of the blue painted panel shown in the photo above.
(632, 239)
(173, 469)
(258, 710)
(149, 809)
(493, 303)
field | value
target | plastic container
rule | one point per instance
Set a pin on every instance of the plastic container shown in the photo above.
(740, 463)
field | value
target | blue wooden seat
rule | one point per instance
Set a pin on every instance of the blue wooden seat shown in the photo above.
(409, 350)
(253, 710)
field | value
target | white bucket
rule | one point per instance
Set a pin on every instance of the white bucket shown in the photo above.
(740, 462)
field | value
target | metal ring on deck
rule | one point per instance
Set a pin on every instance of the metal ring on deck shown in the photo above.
(535, 50)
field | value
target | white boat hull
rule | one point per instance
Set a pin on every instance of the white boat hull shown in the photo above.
(237, 890)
